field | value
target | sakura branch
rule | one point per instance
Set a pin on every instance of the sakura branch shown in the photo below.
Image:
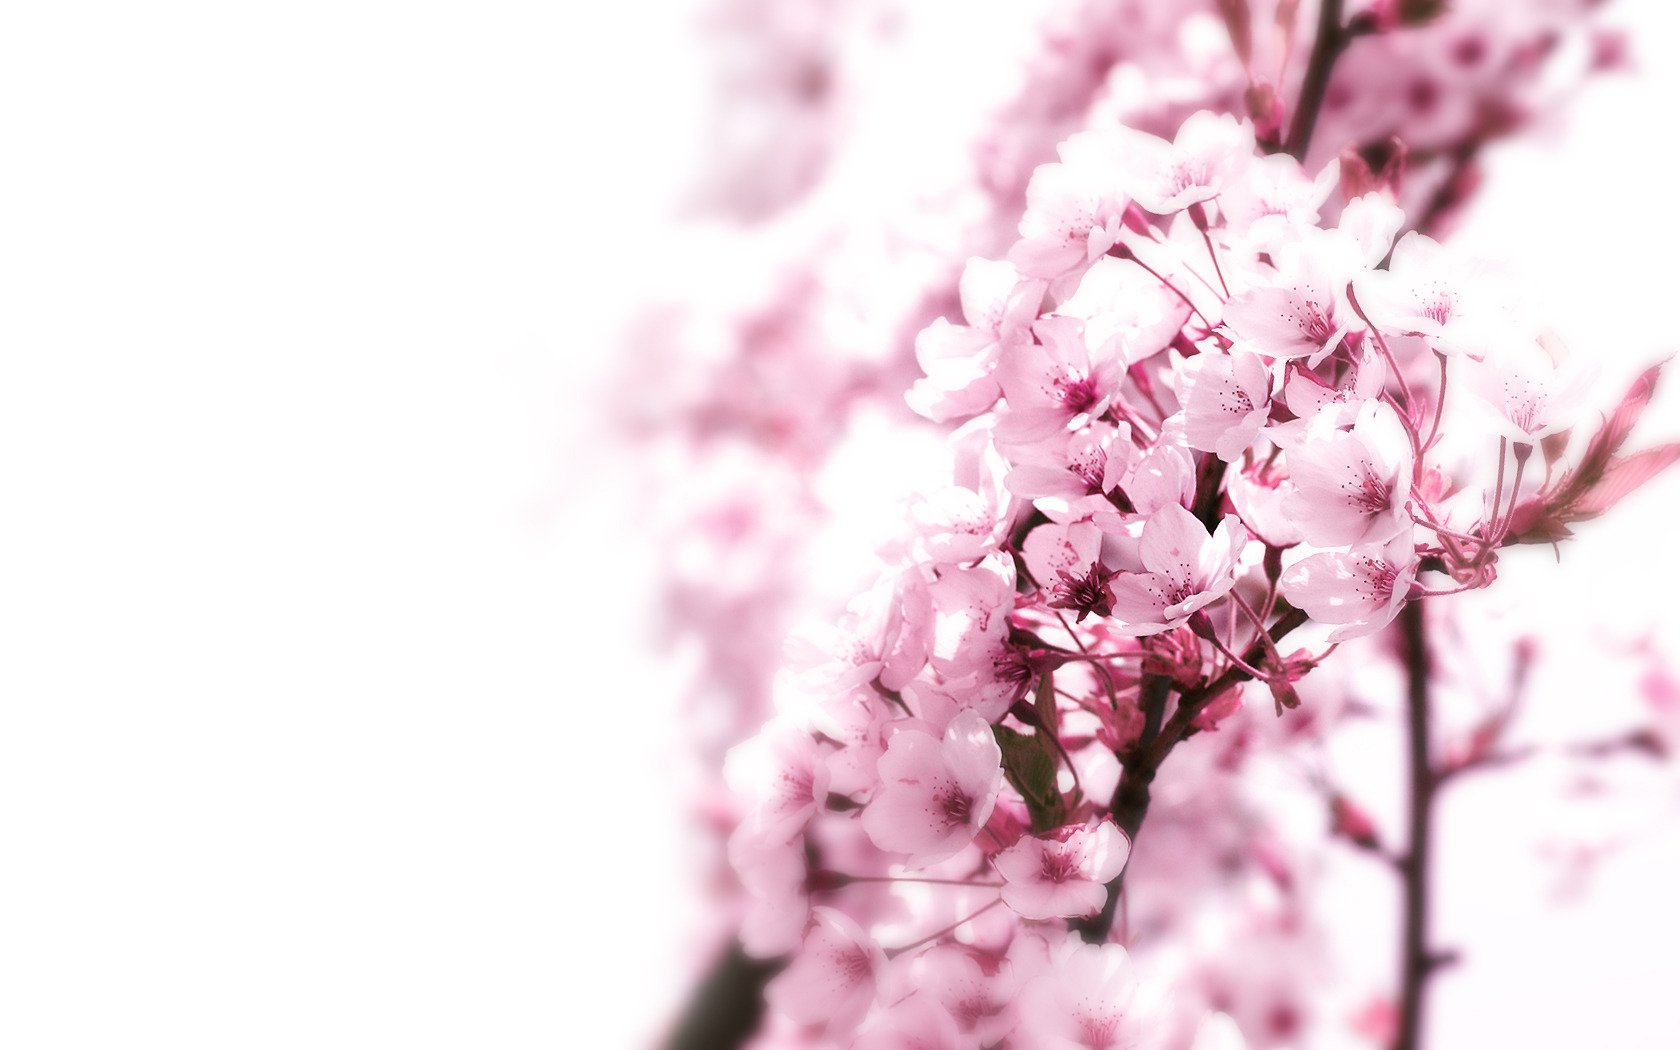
(1164, 340)
(1185, 435)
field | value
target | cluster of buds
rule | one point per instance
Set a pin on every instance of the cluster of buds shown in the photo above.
(1191, 419)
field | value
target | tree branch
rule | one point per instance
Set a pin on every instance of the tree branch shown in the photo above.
(1131, 796)
(1416, 960)
(1330, 41)
(725, 1010)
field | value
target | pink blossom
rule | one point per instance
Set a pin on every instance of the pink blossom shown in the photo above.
(1274, 198)
(1088, 999)
(1351, 486)
(1164, 476)
(1227, 399)
(1052, 551)
(981, 1000)
(936, 794)
(959, 359)
(916, 1022)
(1303, 310)
(773, 872)
(1531, 387)
(1071, 482)
(1074, 208)
(1125, 309)
(1065, 873)
(1432, 292)
(966, 520)
(1360, 590)
(1164, 177)
(832, 979)
(1258, 493)
(783, 775)
(1186, 570)
(1052, 382)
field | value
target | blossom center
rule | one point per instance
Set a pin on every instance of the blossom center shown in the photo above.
(1077, 392)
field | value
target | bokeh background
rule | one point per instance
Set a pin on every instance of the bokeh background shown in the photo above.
(336, 708)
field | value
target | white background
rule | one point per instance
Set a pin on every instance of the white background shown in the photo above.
(327, 716)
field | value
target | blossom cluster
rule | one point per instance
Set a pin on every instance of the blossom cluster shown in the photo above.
(860, 197)
(1191, 419)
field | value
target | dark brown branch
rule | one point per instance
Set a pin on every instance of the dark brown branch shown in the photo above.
(1416, 960)
(1131, 796)
(1130, 803)
(1329, 42)
(725, 1010)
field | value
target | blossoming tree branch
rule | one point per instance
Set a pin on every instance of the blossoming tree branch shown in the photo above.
(1214, 416)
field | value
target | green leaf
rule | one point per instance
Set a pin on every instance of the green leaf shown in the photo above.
(1029, 764)
(1045, 701)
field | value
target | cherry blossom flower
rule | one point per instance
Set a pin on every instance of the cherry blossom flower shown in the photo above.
(1074, 208)
(1227, 399)
(935, 793)
(981, 1000)
(1360, 590)
(1274, 198)
(1531, 387)
(1187, 569)
(773, 872)
(1072, 482)
(783, 774)
(1164, 177)
(1432, 292)
(916, 1022)
(1054, 381)
(1125, 310)
(831, 981)
(1055, 552)
(1258, 493)
(1303, 311)
(959, 359)
(1086, 1001)
(1063, 874)
(1351, 486)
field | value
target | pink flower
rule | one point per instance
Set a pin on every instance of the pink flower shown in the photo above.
(916, 1022)
(1351, 486)
(832, 978)
(1431, 292)
(1227, 399)
(1086, 1000)
(773, 872)
(936, 794)
(1051, 551)
(1164, 177)
(966, 520)
(782, 773)
(1063, 874)
(1073, 208)
(982, 1002)
(1531, 387)
(1360, 590)
(958, 359)
(1122, 305)
(1275, 197)
(1303, 311)
(1258, 493)
(1050, 383)
(1069, 483)
(1187, 570)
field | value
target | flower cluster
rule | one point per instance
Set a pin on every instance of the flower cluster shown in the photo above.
(1192, 419)
(858, 197)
